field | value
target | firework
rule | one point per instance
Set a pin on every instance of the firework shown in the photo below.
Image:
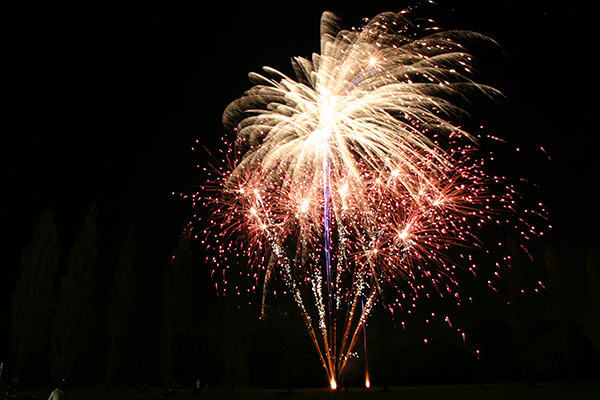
(351, 180)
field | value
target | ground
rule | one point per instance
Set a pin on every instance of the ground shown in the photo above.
(462, 392)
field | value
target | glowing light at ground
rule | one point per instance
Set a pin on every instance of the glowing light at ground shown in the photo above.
(352, 180)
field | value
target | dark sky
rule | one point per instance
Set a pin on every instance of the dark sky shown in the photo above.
(103, 104)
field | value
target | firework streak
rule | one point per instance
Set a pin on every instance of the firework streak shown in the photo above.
(352, 178)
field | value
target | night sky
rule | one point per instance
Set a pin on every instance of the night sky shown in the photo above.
(103, 104)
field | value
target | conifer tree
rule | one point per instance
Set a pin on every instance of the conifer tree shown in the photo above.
(175, 298)
(120, 305)
(74, 301)
(33, 296)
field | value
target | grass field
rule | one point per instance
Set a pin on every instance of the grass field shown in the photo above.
(465, 392)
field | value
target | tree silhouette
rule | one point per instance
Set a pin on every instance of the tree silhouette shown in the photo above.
(120, 305)
(175, 302)
(74, 302)
(32, 298)
(593, 321)
(278, 355)
(519, 309)
(235, 336)
(561, 305)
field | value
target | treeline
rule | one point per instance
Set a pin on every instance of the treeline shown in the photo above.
(542, 322)
(72, 324)
(539, 322)
(67, 328)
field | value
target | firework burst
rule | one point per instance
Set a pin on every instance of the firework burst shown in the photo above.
(351, 179)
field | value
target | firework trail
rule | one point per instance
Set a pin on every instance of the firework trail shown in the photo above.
(351, 179)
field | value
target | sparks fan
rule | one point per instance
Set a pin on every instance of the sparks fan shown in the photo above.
(350, 179)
